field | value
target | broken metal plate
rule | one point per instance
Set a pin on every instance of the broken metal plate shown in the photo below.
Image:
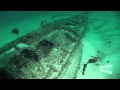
(51, 52)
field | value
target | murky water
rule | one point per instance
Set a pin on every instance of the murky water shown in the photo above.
(101, 40)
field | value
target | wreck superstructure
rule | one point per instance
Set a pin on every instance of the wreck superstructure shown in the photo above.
(54, 51)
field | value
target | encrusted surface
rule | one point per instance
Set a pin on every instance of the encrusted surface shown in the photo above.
(51, 51)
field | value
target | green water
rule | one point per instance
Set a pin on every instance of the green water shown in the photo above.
(103, 35)
(26, 21)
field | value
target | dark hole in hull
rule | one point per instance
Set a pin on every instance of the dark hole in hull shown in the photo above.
(24, 57)
(45, 46)
(29, 54)
(5, 75)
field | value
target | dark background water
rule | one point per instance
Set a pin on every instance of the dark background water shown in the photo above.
(25, 21)
(7, 17)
